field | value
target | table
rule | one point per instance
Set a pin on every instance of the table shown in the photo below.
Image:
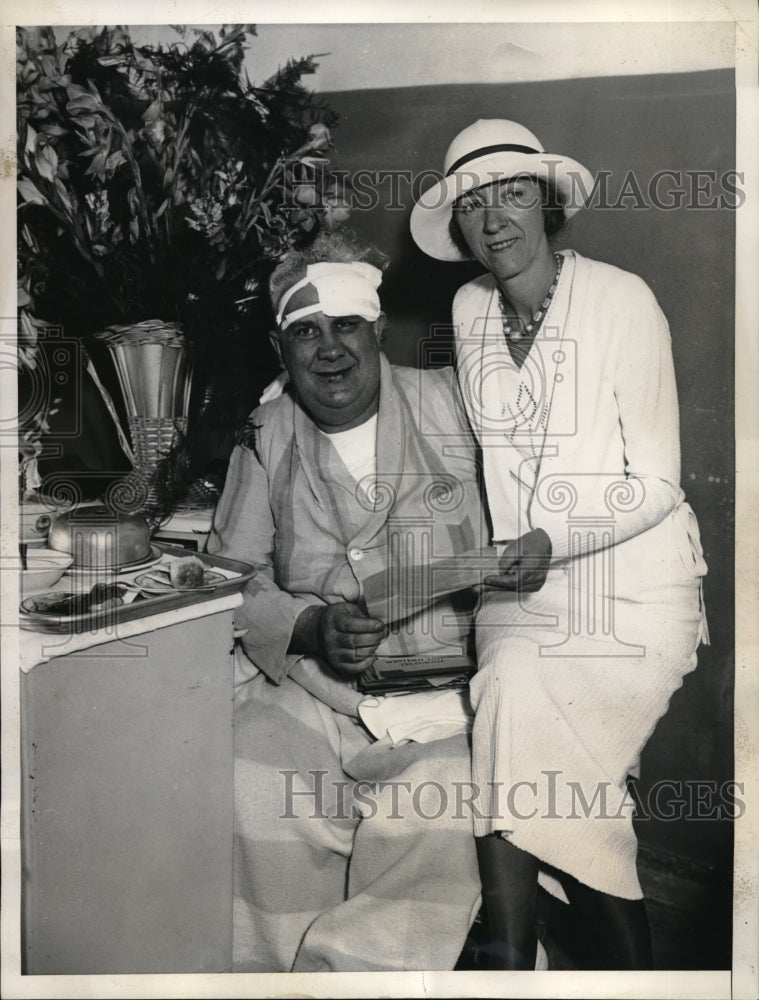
(127, 811)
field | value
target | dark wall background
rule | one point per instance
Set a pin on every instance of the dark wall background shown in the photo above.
(643, 124)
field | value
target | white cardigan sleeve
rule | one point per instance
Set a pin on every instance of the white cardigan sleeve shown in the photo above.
(642, 368)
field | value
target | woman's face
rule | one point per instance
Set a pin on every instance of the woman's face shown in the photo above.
(503, 225)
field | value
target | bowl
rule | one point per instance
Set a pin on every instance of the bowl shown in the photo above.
(98, 537)
(44, 568)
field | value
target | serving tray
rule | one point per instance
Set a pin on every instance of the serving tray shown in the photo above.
(149, 604)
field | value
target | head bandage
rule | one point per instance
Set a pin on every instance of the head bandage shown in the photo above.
(342, 290)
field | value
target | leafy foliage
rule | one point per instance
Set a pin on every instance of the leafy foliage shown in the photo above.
(157, 181)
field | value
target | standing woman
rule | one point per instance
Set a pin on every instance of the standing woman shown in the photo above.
(595, 617)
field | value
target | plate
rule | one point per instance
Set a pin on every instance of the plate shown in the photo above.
(50, 606)
(210, 579)
(133, 567)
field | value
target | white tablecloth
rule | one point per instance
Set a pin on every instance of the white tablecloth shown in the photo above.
(39, 647)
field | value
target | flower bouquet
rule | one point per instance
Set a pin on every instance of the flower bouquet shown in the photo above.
(157, 183)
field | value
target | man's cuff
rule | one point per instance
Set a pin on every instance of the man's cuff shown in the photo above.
(268, 648)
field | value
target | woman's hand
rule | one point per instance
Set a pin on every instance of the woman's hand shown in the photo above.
(524, 563)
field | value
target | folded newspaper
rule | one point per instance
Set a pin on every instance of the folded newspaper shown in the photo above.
(400, 592)
(417, 673)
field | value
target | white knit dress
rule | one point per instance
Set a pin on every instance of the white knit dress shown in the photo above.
(583, 442)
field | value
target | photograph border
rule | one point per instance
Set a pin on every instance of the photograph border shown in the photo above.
(742, 981)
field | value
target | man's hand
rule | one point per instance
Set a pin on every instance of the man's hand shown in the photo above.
(342, 633)
(524, 563)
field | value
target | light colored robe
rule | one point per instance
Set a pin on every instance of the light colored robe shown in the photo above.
(353, 885)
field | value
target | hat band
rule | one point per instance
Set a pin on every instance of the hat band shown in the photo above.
(505, 147)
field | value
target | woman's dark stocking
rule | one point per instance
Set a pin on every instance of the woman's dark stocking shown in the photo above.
(615, 931)
(509, 888)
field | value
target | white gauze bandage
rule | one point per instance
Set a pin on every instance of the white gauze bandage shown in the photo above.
(342, 290)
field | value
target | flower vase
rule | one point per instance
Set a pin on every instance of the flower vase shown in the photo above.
(155, 374)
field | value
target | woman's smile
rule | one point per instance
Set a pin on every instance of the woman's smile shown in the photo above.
(503, 244)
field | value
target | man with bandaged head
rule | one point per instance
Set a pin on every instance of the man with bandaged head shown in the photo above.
(353, 851)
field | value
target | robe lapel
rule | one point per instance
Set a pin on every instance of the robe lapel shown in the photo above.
(391, 456)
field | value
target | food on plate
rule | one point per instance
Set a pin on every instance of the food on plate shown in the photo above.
(102, 596)
(105, 593)
(187, 572)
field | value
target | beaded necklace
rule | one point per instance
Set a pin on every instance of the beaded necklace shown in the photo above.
(515, 333)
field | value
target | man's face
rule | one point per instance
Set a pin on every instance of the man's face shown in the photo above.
(334, 365)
